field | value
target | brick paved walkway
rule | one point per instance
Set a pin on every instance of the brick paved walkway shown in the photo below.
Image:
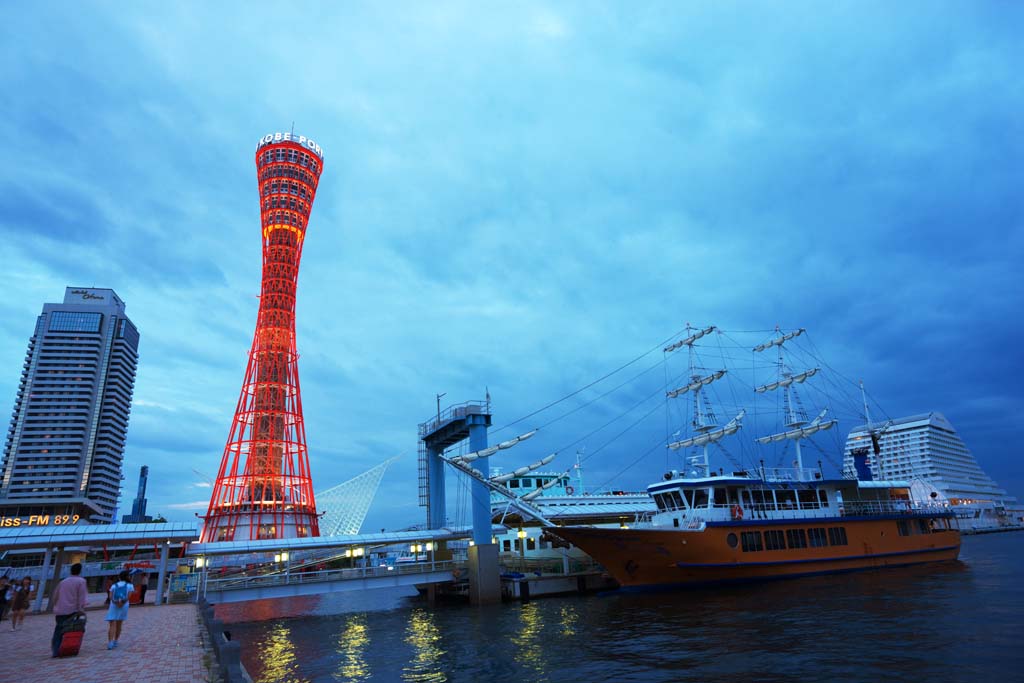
(158, 645)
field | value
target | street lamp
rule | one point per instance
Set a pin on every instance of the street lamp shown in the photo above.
(522, 547)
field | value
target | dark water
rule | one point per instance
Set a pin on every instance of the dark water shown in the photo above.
(957, 621)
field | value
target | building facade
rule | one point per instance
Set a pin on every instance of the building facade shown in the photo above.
(62, 456)
(927, 451)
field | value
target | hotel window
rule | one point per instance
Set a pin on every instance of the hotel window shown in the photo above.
(817, 537)
(774, 540)
(67, 321)
(751, 541)
(796, 538)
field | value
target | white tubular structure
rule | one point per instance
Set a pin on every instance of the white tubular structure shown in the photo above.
(487, 452)
(710, 437)
(524, 507)
(551, 484)
(785, 382)
(815, 425)
(696, 384)
(502, 478)
(778, 341)
(689, 340)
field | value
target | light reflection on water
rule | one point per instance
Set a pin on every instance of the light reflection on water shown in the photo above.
(278, 655)
(425, 638)
(527, 644)
(352, 644)
(935, 622)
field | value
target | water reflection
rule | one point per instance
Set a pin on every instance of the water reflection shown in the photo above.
(569, 617)
(528, 646)
(352, 645)
(277, 655)
(424, 636)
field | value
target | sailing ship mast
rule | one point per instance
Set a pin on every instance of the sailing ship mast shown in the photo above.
(705, 423)
(799, 427)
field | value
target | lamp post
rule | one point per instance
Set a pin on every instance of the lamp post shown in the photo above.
(522, 548)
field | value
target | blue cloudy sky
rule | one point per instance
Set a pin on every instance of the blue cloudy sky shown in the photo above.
(523, 197)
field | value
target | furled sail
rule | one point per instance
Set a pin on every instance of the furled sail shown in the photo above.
(778, 341)
(536, 492)
(487, 452)
(502, 478)
(814, 426)
(785, 382)
(689, 340)
(696, 384)
(710, 437)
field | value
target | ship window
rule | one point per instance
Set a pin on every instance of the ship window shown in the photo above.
(817, 537)
(527, 483)
(675, 500)
(732, 540)
(688, 494)
(514, 484)
(700, 498)
(774, 540)
(746, 497)
(675, 521)
(720, 498)
(837, 535)
(762, 500)
(751, 541)
(823, 497)
(506, 545)
(808, 499)
(922, 524)
(903, 528)
(659, 500)
(796, 538)
(785, 499)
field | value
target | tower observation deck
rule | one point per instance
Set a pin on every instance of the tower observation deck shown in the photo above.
(263, 487)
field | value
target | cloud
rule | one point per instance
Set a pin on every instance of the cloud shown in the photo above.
(522, 199)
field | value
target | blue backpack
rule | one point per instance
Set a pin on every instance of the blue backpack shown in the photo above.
(119, 594)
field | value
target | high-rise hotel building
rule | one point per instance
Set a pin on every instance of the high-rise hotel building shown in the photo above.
(67, 436)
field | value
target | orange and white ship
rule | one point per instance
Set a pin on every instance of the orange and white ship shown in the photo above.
(768, 523)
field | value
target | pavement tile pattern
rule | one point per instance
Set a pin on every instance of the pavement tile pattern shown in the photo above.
(158, 645)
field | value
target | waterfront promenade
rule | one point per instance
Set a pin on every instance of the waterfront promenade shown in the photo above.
(158, 645)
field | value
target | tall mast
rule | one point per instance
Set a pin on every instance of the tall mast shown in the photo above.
(704, 421)
(796, 418)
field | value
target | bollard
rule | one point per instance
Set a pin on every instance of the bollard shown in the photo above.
(231, 661)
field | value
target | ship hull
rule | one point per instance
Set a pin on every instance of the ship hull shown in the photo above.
(677, 557)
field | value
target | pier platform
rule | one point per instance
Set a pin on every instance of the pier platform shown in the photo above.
(158, 645)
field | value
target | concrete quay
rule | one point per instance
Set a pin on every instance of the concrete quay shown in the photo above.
(158, 645)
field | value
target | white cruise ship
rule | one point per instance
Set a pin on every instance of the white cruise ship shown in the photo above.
(926, 450)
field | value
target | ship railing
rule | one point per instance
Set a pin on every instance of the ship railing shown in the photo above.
(868, 508)
(791, 474)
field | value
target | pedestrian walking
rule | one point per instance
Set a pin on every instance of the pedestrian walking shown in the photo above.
(118, 610)
(23, 594)
(69, 599)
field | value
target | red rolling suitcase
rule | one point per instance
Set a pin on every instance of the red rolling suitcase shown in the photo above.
(71, 640)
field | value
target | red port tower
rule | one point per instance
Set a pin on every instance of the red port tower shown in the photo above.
(264, 489)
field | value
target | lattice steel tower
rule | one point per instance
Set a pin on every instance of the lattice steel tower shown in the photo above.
(263, 487)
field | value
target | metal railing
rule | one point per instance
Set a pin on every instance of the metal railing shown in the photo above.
(452, 413)
(323, 576)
